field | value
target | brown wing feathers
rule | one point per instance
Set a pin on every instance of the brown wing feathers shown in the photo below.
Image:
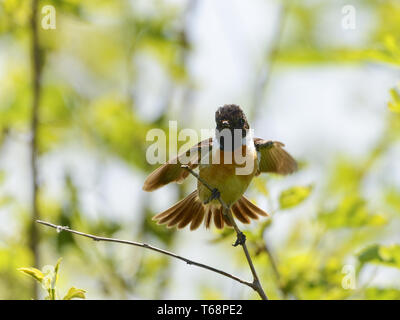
(163, 175)
(273, 158)
(172, 170)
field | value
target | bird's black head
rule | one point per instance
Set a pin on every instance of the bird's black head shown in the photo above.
(231, 120)
(231, 116)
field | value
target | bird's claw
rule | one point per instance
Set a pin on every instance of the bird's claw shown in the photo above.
(215, 194)
(240, 240)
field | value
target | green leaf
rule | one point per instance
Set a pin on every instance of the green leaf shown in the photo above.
(394, 105)
(384, 255)
(370, 253)
(56, 270)
(294, 196)
(74, 293)
(391, 255)
(33, 272)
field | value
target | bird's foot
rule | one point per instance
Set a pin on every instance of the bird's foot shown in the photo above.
(215, 194)
(240, 240)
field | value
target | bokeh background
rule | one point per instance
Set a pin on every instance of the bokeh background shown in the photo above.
(77, 101)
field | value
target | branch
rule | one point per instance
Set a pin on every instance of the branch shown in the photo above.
(241, 239)
(147, 246)
(36, 88)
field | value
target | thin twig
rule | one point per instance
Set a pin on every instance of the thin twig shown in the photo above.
(147, 246)
(227, 212)
(36, 88)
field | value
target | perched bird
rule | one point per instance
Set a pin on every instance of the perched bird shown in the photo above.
(227, 162)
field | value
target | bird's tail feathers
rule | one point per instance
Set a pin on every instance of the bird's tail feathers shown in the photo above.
(192, 210)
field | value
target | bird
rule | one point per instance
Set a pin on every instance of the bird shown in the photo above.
(217, 161)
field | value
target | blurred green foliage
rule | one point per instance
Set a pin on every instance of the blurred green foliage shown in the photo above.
(103, 43)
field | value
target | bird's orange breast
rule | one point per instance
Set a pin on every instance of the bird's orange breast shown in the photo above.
(231, 175)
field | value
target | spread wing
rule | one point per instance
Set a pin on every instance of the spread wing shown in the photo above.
(273, 158)
(172, 170)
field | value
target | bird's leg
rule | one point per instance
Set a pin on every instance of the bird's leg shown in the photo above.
(240, 237)
(215, 195)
